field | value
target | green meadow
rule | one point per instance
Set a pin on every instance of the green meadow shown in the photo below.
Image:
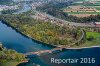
(94, 42)
(93, 34)
(83, 12)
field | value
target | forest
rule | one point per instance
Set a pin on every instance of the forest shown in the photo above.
(43, 31)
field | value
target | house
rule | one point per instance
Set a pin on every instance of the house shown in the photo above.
(97, 24)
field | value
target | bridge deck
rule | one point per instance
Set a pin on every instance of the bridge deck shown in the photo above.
(43, 51)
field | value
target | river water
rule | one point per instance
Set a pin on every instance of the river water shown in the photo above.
(12, 39)
(45, 60)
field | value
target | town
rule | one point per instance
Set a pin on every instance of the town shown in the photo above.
(5, 7)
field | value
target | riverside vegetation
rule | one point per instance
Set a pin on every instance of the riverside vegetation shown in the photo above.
(46, 32)
(10, 57)
(50, 33)
(56, 10)
(42, 31)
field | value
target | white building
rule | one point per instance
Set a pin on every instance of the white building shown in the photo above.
(1, 9)
(4, 7)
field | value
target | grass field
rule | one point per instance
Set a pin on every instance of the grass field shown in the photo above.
(83, 12)
(94, 42)
(94, 34)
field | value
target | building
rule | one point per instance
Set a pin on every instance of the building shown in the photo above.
(97, 24)
(5, 7)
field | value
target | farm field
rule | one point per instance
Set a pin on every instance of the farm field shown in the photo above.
(83, 12)
(83, 8)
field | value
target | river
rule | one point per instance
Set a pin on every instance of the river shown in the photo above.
(88, 53)
(12, 39)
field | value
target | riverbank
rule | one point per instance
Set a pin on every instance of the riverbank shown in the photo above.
(44, 42)
(43, 33)
(12, 63)
(14, 40)
(4, 22)
(83, 47)
(12, 57)
(28, 44)
(55, 46)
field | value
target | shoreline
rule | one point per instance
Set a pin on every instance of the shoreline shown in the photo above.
(71, 48)
(4, 22)
(83, 47)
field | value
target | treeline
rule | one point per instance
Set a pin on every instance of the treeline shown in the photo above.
(91, 29)
(53, 8)
(9, 11)
(92, 18)
(42, 31)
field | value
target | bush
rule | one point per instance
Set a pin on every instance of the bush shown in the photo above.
(90, 38)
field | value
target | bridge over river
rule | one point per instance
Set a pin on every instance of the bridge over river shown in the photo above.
(44, 51)
(58, 48)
